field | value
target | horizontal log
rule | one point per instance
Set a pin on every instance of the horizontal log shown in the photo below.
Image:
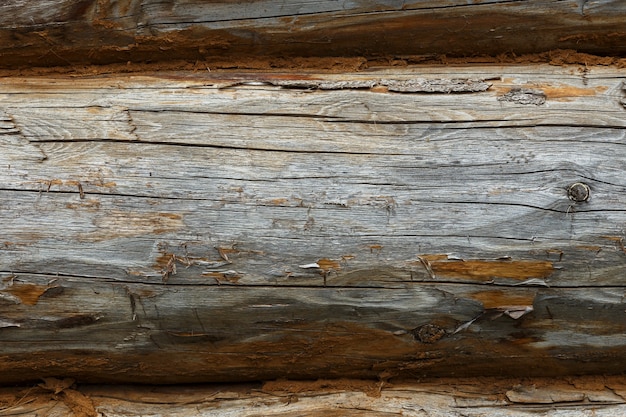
(576, 397)
(69, 32)
(243, 226)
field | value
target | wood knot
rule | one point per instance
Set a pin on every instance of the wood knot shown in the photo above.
(578, 192)
(428, 333)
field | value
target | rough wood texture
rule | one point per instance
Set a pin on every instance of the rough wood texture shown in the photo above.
(46, 32)
(574, 397)
(240, 226)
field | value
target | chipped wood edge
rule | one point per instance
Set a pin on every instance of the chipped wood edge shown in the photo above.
(575, 396)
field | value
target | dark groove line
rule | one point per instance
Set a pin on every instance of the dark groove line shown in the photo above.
(141, 142)
(336, 14)
(101, 194)
(507, 204)
(212, 146)
(329, 286)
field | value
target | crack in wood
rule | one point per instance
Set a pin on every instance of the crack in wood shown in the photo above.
(333, 285)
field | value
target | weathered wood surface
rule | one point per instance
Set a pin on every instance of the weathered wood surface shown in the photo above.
(574, 397)
(234, 226)
(47, 32)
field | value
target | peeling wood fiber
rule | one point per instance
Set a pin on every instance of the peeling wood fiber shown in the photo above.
(458, 397)
(230, 226)
(70, 32)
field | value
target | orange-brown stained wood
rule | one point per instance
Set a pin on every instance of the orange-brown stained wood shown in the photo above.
(279, 201)
(556, 92)
(219, 277)
(327, 265)
(27, 293)
(592, 248)
(88, 204)
(504, 298)
(164, 259)
(433, 257)
(375, 248)
(565, 93)
(487, 270)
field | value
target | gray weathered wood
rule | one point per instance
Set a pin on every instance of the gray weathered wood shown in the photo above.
(227, 226)
(46, 32)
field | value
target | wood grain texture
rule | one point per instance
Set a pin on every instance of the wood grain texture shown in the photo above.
(77, 32)
(577, 397)
(196, 227)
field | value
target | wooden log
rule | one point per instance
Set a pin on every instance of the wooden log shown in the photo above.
(194, 227)
(44, 33)
(576, 397)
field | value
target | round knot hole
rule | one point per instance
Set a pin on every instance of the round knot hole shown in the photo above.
(578, 192)
(428, 333)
